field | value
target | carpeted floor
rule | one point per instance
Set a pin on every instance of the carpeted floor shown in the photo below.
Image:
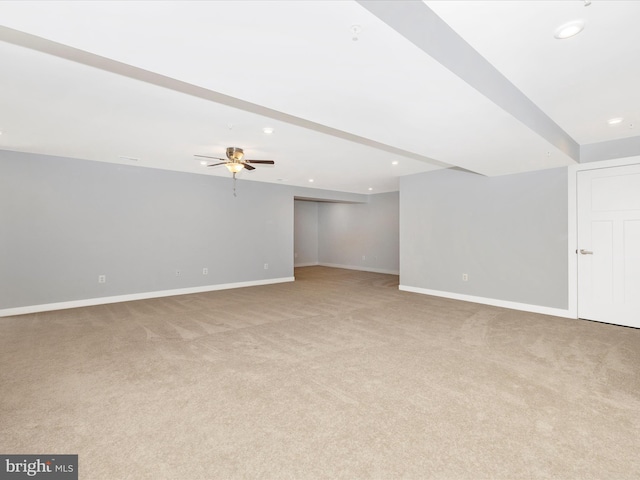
(337, 375)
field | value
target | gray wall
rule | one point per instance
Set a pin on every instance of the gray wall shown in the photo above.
(349, 232)
(64, 222)
(509, 234)
(305, 234)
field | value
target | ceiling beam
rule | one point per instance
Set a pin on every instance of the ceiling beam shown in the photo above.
(416, 22)
(60, 50)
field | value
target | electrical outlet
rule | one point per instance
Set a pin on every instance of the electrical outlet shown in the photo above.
(266, 266)
(205, 271)
(465, 277)
(102, 279)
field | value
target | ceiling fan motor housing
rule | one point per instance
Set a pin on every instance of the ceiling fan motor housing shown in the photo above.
(235, 154)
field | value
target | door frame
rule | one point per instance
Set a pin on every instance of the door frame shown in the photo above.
(572, 236)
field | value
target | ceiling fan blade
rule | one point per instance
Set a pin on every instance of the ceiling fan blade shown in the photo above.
(249, 167)
(206, 156)
(267, 162)
(216, 164)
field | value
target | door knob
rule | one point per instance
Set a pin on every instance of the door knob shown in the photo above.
(586, 252)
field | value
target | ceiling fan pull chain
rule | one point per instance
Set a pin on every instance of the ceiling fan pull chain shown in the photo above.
(234, 184)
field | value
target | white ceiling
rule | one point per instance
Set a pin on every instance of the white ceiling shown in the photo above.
(485, 86)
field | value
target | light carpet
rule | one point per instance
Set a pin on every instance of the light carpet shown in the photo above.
(338, 375)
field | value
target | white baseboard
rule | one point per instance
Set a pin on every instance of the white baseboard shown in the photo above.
(310, 264)
(89, 302)
(361, 268)
(525, 307)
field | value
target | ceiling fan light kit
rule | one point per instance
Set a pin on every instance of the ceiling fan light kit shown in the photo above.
(234, 167)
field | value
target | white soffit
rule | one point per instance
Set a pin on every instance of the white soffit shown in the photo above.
(299, 58)
(86, 113)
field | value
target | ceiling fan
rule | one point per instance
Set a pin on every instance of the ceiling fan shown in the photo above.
(235, 161)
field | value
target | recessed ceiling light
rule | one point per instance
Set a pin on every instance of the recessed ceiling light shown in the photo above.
(615, 121)
(370, 188)
(203, 162)
(569, 29)
(267, 130)
(311, 180)
(395, 162)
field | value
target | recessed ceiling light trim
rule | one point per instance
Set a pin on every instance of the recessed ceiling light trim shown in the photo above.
(267, 130)
(615, 121)
(569, 29)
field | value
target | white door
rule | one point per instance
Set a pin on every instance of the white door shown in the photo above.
(609, 245)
